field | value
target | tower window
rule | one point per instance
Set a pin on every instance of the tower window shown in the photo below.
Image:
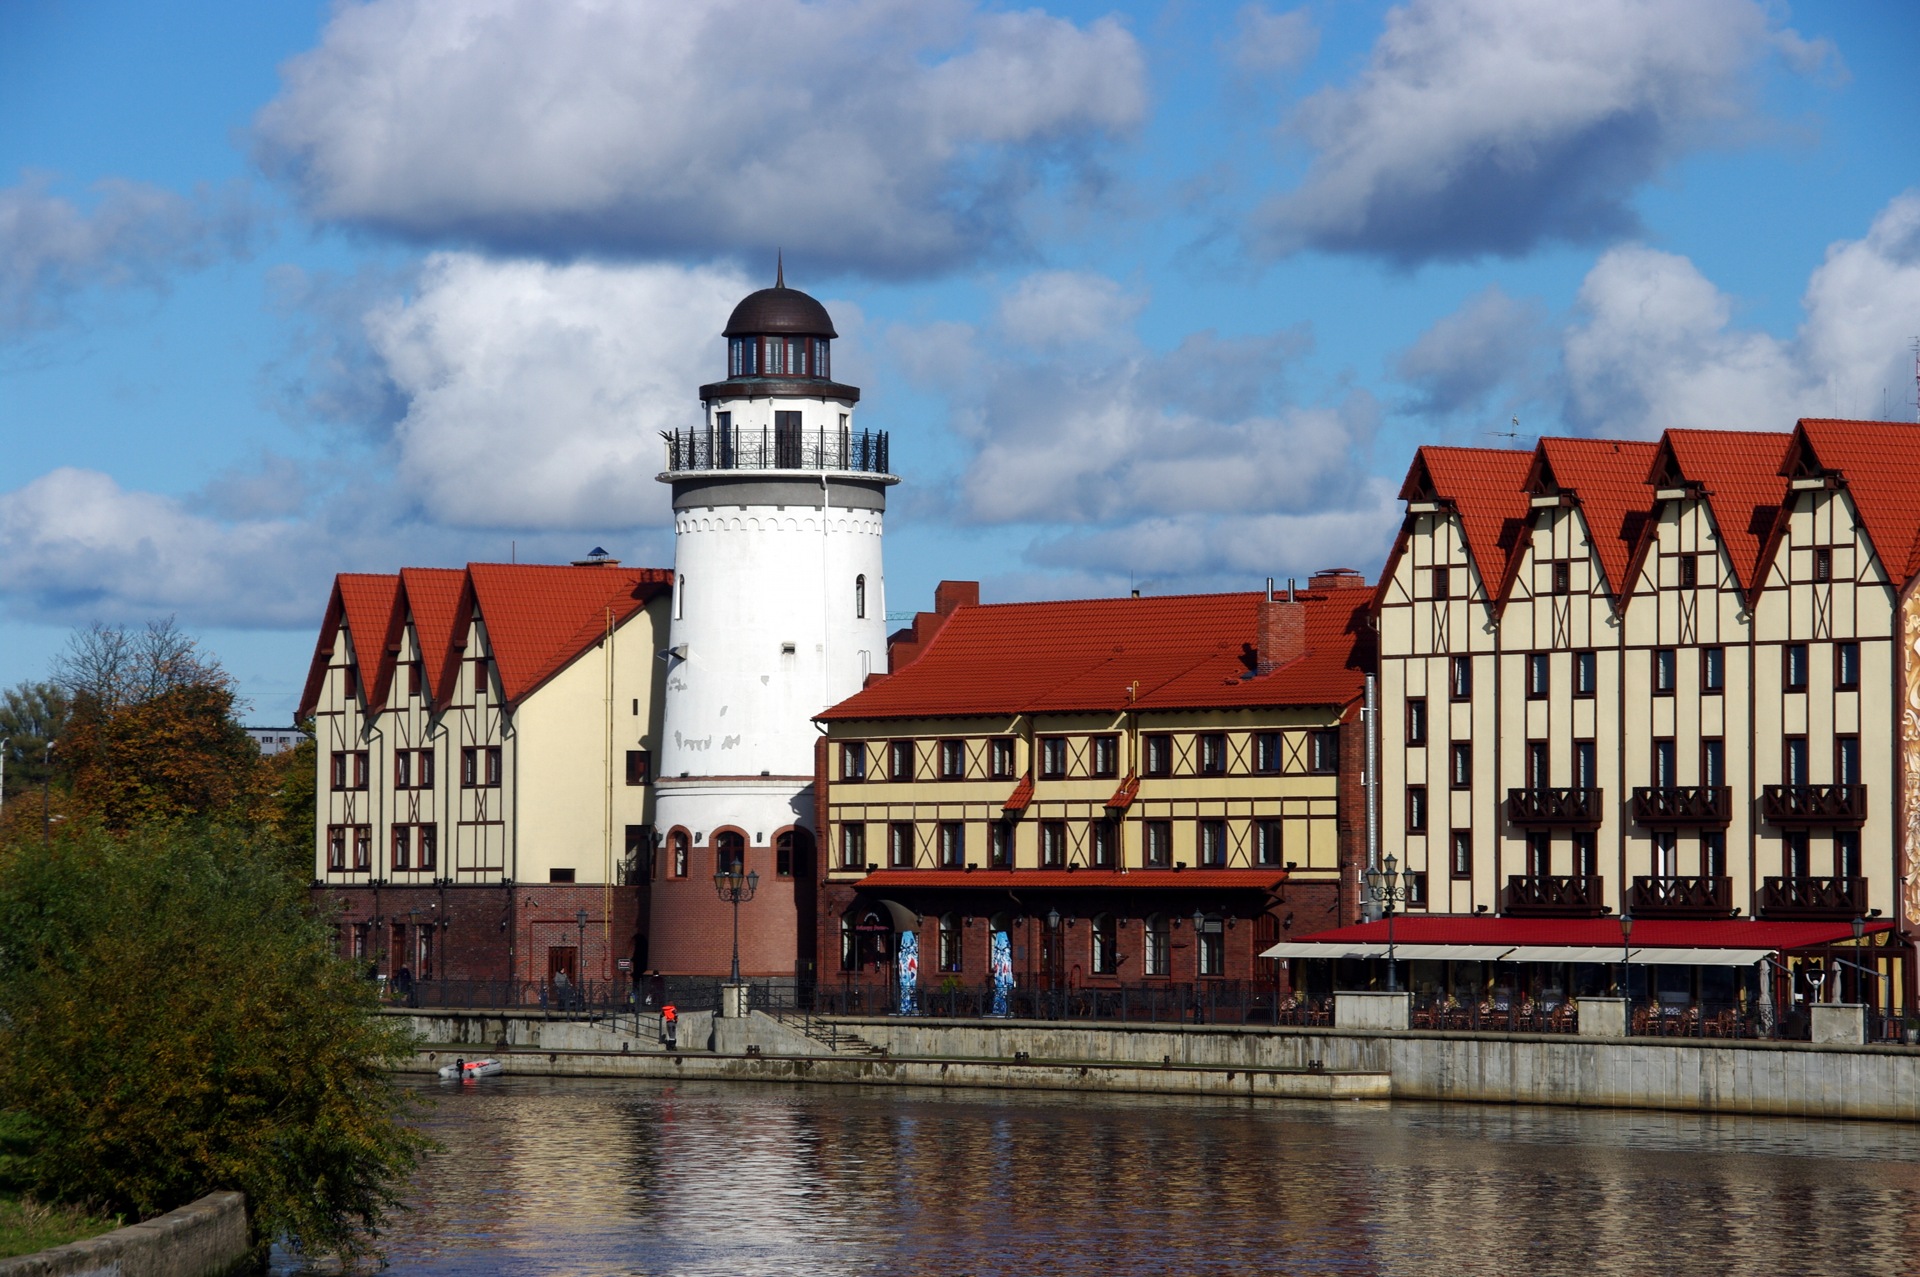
(680, 597)
(820, 366)
(860, 597)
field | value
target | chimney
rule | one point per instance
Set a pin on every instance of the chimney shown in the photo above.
(904, 645)
(1283, 631)
(1336, 579)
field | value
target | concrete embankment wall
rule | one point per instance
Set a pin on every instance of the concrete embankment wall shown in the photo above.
(1779, 1078)
(207, 1238)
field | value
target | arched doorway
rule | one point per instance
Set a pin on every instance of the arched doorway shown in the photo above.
(729, 852)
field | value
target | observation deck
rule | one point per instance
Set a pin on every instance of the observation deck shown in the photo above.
(776, 450)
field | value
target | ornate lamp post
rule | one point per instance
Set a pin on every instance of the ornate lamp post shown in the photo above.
(1626, 935)
(1386, 889)
(734, 887)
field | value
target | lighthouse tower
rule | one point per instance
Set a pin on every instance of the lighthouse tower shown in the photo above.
(779, 610)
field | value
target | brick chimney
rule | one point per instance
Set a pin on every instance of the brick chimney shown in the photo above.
(904, 646)
(1336, 579)
(1283, 631)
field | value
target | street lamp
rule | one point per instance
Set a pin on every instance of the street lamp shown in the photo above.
(1387, 889)
(580, 953)
(733, 887)
(1626, 935)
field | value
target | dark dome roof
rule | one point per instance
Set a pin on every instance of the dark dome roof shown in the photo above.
(779, 310)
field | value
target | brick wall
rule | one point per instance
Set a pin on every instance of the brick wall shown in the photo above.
(692, 931)
(489, 932)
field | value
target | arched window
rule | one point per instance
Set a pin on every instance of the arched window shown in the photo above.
(860, 597)
(678, 839)
(680, 597)
(1157, 957)
(729, 853)
(849, 953)
(950, 942)
(1106, 945)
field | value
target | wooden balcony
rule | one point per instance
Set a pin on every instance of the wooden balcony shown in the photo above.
(1682, 897)
(1813, 899)
(1554, 897)
(1554, 808)
(1670, 806)
(1799, 806)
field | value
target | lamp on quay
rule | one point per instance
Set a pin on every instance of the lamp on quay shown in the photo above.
(1386, 889)
(734, 887)
(1626, 935)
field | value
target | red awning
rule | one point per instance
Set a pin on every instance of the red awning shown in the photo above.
(1123, 797)
(1022, 795)
(1077, 879)
(1648, 933)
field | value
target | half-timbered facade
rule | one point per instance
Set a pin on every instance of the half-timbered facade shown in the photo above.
(1113, 790)
(484, 741)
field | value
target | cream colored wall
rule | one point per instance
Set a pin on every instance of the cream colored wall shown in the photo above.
(564, 774)
(340, 723)
(1306, 802)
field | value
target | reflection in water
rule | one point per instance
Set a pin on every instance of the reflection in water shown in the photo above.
(577, 1176)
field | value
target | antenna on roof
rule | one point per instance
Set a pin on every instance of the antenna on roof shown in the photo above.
(779, 268)
(1512, 433)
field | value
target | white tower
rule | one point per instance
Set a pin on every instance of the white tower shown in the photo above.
(779, 610)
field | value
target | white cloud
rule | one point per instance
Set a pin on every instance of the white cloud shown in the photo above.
(1490, 342)
(1058, 308)
(889, 136)
(1489, 126)
(1265, 41)
(1655, 345)
(535, 394)
(133, 235)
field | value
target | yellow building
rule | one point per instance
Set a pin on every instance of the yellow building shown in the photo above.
(1111, 791)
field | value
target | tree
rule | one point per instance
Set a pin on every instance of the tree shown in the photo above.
(32, 716)
(173, 1020)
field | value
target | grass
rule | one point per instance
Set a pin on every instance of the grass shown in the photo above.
(28, 1226)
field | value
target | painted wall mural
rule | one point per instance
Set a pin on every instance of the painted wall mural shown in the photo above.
(909, 970)
(1909, 761)
(1000, 963)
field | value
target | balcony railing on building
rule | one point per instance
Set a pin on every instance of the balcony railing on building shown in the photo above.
(1668, 806)
(1554, 896)
(1681, 897)
(776, 448)
(1798, 806)
(1813, 899)
(1546, 808)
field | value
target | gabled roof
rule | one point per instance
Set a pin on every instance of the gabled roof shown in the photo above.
(1880, 461)
(539, 618)
(1168, 652)
(1739, 472)
(1608, 478)
(1486, 489)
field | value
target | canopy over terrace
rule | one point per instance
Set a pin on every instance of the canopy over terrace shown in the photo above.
(1654, 941)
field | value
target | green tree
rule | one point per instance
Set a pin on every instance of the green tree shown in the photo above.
(32, 716)
(173, 1021)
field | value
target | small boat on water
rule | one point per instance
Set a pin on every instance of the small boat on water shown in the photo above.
(465, 1070)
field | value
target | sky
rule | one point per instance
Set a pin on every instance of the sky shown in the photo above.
(1156, 295)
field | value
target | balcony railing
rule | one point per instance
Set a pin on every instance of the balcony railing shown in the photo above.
(1542, 807)
(1665, 806)
(1795, 806)
(776, 448)
(1548, 896)
(1813, 899)
(1682, 897)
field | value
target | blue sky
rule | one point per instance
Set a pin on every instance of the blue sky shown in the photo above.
(1156, 294)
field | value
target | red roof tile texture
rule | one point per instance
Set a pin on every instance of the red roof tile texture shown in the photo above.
(369, 604)
(1609, 479)
(432, 598)
(1740, 472)
(1487, 487)
(1881, 463)
(1170, 652)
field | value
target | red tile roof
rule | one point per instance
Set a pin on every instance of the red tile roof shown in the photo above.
(1079, 879)
(1648, 933)
(1609, 479)
(1021, 796)
(1881, 463)
(1168, 652)
(1740, 473)
(539, 618)
(1487, 488)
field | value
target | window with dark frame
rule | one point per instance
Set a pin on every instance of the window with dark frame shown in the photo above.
(1666, 763)
(639, 767)
(950, 946)
(1157, 755)
(1713, 854)
(1156, 946)
(1416, 720)
(1000, 758)
(783, 855)
(900, 760)
(1460, 681)
(1713, 669)
(682, 852)
(1689, 572)
(1460, 855)
(560, 875)
(1213, 844)
(1846, 666)
(1713, 761)
(1212, 945)
(1323, 751)
(349, 769)
(1053, 757)
(1100, 844)
(337, 848)
(1000, 844)
(1106, 756)
(1053, 844)
(403, 769)
(1538, 676)
(1106, 945)
(349, 681)
(1213, 753)
(900, 846)
(1793, 667)
(1268, 752)
(1460, 765)
(479, 677)
(1156, 842)
(402, 845)
(362, 848)
(1562, 577)
(1795, 854)
(1269, 843)
(1442, 583)
(1586, 854)
(953, 760)
(480, 766)
(415, 679)
(1539, 762)
(1586, 674)
(1416, 809)
(1586, 765)
(953, 845)
(1416, 880)
(1666, 670)
(853, 760)
(1794, 761)
(1539, 854)
(1846, 760)
(1822, 563)
(853, 846)
(426, 847)
(1846, 854)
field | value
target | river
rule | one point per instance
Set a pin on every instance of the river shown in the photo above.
(588, 1177)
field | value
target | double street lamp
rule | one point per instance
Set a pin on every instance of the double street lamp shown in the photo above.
(1386, 889)
(733, 887)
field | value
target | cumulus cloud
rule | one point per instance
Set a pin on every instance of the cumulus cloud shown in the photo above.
(1488, 343)
(535, 393)
(1058, 308)
(1654, 344)
(885, 136)
(1265, 41)
(132, 235)
(1489, 126)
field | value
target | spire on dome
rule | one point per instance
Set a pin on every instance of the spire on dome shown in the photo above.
(779, 268)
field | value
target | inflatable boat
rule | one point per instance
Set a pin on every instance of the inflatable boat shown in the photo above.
(464, 1070)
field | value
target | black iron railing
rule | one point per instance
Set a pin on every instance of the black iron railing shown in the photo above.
(1207, 1002)
(558, 999)
(1554, 896)
(1682, 897)
(1813, 899)
(776, 448)
(1664, 806)
(1797, 806)
(1541, 808)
